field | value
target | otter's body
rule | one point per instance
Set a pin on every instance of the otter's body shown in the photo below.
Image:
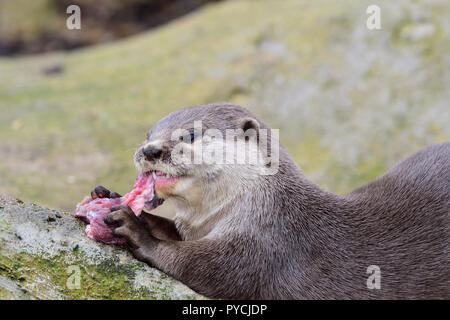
(239, 234)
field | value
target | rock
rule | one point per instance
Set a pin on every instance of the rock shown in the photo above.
(417, 32)
(45, 254)
(53, 69)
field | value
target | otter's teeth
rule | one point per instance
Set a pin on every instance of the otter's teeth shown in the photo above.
(154, 175)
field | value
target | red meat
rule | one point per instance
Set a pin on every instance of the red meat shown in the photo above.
(93, 211)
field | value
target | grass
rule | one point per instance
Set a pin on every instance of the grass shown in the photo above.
(349, 102)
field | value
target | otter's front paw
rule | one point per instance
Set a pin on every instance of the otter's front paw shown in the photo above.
(102, 192)
(132, 228)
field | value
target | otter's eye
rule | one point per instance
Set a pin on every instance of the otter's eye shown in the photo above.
(188, 138)
(191, 137)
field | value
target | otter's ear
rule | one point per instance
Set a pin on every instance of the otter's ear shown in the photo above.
(250, 127)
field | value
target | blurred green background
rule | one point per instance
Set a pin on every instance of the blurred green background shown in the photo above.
(349, 102)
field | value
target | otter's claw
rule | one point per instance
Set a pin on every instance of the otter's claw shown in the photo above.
(102, 192)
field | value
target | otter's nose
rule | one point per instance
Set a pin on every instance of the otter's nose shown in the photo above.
(151, 153)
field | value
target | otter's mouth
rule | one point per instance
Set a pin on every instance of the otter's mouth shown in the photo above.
(161, 182)
(161, 177)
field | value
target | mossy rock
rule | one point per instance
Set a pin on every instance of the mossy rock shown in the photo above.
(44, 254)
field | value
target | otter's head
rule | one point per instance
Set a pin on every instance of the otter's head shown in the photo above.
(198, 152)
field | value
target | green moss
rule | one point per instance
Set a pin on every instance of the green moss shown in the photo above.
(6, 294)
(3, 224)
(107, 280)
(10, 268)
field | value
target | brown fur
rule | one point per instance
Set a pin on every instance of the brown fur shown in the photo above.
(286, 238)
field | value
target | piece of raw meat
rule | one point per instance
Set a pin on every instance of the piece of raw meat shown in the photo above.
(93, 211)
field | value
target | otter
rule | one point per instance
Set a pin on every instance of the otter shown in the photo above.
(240, 234)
